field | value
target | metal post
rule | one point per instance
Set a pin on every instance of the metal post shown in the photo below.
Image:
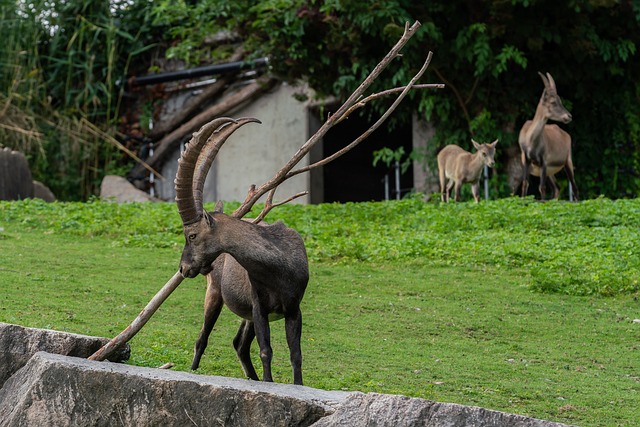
(570, 192)
(486, 182)
(152, 177)
(386, 187)
(397, 167)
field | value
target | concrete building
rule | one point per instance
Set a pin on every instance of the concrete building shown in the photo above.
(256, 152)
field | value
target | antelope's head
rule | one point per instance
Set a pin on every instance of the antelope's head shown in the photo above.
(487, 151)
(551, 102)
(202, 230)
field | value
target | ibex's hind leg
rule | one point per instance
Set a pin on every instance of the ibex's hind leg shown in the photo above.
(293, 328)
(554, 186)
(242, 344)
(569, 171)
(448, 189)
(212, 307)
(263, 335)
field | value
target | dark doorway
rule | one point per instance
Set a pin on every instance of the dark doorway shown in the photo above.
(352, 177)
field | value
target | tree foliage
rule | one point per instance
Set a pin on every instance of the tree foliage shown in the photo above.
(61, 60)
(487, 52)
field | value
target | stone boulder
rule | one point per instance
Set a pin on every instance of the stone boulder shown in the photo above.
(15, 176)
(18, 344)
(40, 388)
(120, 190)
(384, 410)
(43, 192)
(57, 390)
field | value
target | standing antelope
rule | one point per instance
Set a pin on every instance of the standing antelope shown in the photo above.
(546, 149)
(259, 271)
(459, 166)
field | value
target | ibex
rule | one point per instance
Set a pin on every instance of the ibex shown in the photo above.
(546, 149)
(459, 166)
(259, 271)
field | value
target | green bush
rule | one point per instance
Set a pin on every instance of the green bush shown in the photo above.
(587, 248)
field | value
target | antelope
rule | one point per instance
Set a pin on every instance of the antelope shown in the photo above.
(259, 271)
(459, 166)
(546, 149)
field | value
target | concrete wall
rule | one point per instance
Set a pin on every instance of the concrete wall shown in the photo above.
(255, 152)
(425, 177)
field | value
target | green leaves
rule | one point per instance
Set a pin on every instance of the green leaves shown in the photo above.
(587, 248)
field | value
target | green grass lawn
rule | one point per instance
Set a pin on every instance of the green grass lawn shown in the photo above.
(472, 328)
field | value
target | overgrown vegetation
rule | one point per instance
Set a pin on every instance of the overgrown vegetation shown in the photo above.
(426, 300)
(487, 53)
(60, 62)
(60, 101)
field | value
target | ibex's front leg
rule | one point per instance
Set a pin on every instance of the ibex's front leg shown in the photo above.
(475, 189)
(543, 182)
(212, 307)
(456, 190)
(526, 164)
(554, 186)
(293, 328)
(242, 344)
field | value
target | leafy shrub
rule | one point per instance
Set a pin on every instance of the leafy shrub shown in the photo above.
(587, 248)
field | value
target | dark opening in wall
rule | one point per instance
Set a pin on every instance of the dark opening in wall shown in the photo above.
(352, 177)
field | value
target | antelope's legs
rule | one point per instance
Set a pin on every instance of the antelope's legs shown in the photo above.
(212, 307)
(293, 329)
(242, 344)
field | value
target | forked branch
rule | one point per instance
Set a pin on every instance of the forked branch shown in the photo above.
(354, 102)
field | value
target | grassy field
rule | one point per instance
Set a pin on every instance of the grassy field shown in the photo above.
(511, 305)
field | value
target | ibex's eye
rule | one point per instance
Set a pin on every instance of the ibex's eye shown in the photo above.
(192, 236)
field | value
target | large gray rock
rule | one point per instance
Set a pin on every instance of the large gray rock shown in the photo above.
(43, 192)
(18, 344)
(383, 410)
(15, 176)
(55, 390)
(118, 189)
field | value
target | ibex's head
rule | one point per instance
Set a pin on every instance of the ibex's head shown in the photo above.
(203, 243)
(487, 151)
(554, 110)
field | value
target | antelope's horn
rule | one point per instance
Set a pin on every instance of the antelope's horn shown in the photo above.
(209, 153)
(187, 209)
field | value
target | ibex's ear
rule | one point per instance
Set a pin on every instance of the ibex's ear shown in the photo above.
(544, 79)
(209, 219)
(219, 207)
(475, 144)
(493, 144)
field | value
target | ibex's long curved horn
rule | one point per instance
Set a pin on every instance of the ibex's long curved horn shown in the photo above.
(209, 153)
(186, 165)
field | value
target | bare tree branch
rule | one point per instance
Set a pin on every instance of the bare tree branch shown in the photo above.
(404, 90)
(139, 321)
(281, 175)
